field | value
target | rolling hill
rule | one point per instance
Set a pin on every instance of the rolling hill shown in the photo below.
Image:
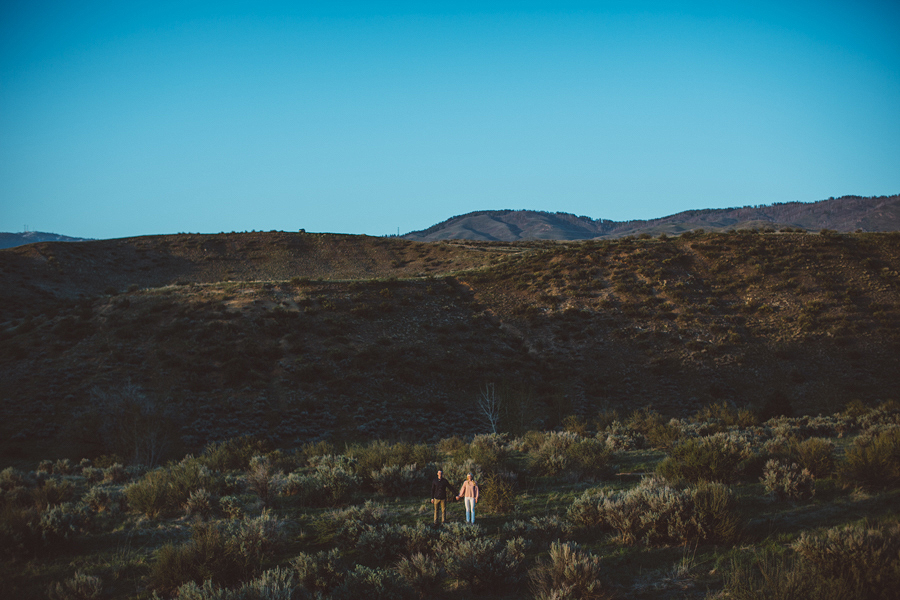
(301, 337)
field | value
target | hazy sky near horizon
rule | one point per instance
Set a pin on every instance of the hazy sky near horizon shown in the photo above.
(120, 119)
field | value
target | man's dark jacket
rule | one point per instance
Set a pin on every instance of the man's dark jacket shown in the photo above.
(439, 488)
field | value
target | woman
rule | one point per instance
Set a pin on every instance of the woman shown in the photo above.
(469, 491)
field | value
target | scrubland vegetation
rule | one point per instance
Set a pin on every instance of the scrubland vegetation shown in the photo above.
(721, 505)
(705, 416)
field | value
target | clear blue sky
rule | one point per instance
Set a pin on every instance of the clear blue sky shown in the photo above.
(130, 118)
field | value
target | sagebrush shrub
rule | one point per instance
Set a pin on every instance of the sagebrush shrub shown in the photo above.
(263, 480)
(63, 522)
(320, 572)
(222, 553)
(92, 475)
(564, 452)
(422, 573)
(374, 584)
(788, 481)
(231, 507)
(79, 587)
(855, 562)
(388, 541)
(347, 525)
(483, 563)
(163, 491)
(115, 473)
(275, 584)
(816, 455)
(712, 458)
(199, 504)
(540, 530)
(653, 512)
(10, 478)
(397, 480)
(496, 493)
(379, 454)
(455, 472)
(873, 463)
(233, 454)
(716, 515)
(100, 498)
(51, 492)
(862, 559)
(568, 572)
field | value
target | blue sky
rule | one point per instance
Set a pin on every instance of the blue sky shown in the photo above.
(129, 118)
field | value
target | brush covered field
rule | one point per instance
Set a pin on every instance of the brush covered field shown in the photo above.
(260, 415)
(637, 506)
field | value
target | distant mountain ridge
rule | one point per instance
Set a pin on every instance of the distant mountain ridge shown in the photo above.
(11, 240)
(845, 214)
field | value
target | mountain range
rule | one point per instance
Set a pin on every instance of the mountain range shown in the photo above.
(845, 214)
(11, 240)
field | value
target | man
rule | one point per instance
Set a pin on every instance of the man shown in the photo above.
(439, 489)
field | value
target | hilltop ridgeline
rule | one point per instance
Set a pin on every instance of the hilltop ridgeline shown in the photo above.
(846, 214)
(301, 337)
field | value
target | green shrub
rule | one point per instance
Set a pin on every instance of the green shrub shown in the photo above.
(165, 490)
(873, 463)
(233, 454)
(816, 455)
(703, 459)
(716, 515)
(724, 416)
(79, 587)
(496, 493)
(568, 573)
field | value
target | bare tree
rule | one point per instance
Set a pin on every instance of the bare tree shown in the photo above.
(489, 406)
(132, 424)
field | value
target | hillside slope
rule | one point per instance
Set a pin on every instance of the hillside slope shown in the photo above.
(348, 337)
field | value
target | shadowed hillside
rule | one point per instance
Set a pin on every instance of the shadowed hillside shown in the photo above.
(300, 337)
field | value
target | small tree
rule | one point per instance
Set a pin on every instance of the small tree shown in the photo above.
(489, 406)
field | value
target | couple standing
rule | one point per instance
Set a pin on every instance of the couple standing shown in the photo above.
(468, 491)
